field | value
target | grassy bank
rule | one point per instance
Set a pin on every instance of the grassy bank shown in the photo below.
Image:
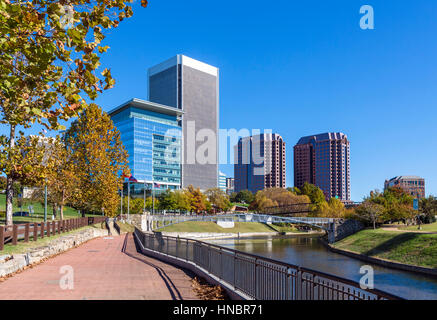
(212, 227)
(125, 227)
(425, 227)
(38, 208)
(406, 247)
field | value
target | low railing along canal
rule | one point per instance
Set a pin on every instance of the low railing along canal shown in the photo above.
(259, 277)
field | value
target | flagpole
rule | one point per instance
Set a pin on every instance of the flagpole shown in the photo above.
(144, 205)
(153, 197)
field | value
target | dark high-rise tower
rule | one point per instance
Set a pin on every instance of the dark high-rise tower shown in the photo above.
(193, 86)
(324, 160)
(259, 162)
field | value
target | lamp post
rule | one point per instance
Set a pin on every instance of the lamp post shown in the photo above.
(128, 199)
(45, 201)
(121, 201)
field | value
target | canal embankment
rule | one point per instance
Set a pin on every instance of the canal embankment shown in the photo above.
(407, 251)
(210, 230)
(213, 236)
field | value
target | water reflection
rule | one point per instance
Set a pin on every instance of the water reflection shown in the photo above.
(309, 252)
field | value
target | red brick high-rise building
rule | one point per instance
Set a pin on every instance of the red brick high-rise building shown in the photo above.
(259, 162)
(324, 160)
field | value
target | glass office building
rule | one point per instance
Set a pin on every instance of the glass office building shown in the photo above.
(152, 135)
(222, 181)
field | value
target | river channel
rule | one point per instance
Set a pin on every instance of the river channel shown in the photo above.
(309, 252)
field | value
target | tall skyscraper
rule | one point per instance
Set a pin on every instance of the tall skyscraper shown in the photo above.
(222, 181)
(412, 185)
(259, 162)
(324, 160)
(229, 185)
(192, 86)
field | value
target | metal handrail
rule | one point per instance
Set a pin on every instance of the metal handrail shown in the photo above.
(259, 273)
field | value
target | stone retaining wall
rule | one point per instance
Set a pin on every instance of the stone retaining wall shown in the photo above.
(347, 228)
(12, 263)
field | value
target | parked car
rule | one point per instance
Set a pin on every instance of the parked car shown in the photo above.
(21, 214)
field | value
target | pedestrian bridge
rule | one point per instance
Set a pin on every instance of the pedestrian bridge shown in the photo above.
(158, 222)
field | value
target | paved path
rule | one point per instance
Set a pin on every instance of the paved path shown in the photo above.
(406, 230)
(104, 268)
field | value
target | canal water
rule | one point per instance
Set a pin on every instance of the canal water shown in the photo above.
(309, 252)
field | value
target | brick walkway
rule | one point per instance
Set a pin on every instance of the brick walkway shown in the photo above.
(104, 268)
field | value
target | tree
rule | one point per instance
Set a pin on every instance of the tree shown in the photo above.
(2, 183)
(62, 181)
(27, 163)
(99, 158)
(428, 206)
(49, 54)
(273, 197)
(371, 212)
(398, 205)
(196, 199)
(333, 208)
(167, 200)
(315, 194)
(218, 198)
(245, 196)
(182, 202)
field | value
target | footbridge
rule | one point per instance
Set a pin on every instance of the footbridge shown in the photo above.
(158, 222)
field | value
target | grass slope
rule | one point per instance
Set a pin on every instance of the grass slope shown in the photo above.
(38, 209)
(212, 227)
(407, 247)
(425, 227)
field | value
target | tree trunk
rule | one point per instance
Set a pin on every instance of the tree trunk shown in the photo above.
(10, 182)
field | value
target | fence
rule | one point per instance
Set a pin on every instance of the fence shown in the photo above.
(27, 231)
(259, 277)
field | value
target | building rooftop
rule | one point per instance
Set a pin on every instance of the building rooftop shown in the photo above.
(322, 137)
(147, 105)
(184, 60)
(406, 178)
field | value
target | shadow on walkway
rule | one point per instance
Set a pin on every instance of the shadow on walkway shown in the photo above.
(173, 290)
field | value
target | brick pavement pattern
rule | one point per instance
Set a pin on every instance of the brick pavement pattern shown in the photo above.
(108, 268)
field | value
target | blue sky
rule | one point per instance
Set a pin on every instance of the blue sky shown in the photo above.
(302, 68)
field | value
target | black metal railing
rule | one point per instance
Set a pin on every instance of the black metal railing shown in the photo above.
(259, 277)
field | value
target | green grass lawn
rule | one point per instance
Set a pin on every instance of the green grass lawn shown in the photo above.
(125, 227)
(406, 247)
(38, 209)
(203, 226)
(432, 227)
(22, 247)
